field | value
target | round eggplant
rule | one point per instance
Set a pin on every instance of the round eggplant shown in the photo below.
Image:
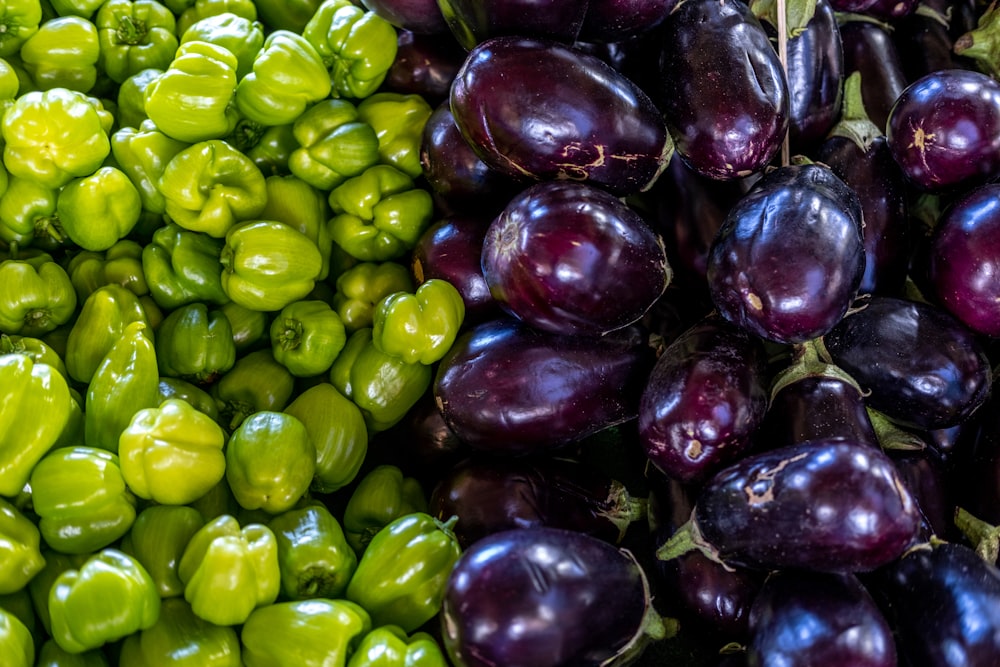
(475, 21)
(617, 20)
(722, 88)
(825, 505)
(787, 262)
(944, 130)
(538, 109)
(420, 16)
(919, 365)
(544, 597)
(704, 399)
(570, 258)
(424, 65)
(508, 388)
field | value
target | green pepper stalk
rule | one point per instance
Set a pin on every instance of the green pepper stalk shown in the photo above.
(306, 337)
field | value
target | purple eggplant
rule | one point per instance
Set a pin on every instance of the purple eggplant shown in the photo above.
(545, 597)
(420, 16)
(818, 618)
(722, 88)
(827, 505)
(450, 249)
(508, 388)
(925, 39)
(919, 365)
(787, 262)
(964, 259)
(615, 20)
(490, 494)
(856, 150)
(925, 473)
(704, 399)
(943, 602)
(538, 109)
(870, 50)
(475, 21)
(944, 130)
(978, 467)
(571, 258)
(425, 65)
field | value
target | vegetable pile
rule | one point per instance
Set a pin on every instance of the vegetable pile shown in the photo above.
(450, 332)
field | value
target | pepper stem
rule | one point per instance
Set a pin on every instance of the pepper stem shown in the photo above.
(131, 31)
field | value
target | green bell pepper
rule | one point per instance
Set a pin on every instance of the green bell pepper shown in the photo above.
(195, 343)
(100, 209)
(110, 597)
(361, 287)
(388, 646)
(17, 647)
(229, 571)
(63, 53)
(35, 349)
(101, 322)
(270, 461)
(51, 655)
(183, 267)
(305, 633)
(84, 8)
(255, 382)
(314, 557)
(19, 20)
(398, 120)
(172, 454)
(53, 136)
(357, 45)
(28, 214)
(19, 604)
(240, 35)
(192, 100)
(125, 382)
(379, 214)
(401, 576)
(39, 587)
(301, 206)
(200, 10)
(268, 264)
(419, 327)
(181, 639)
(193, 395)
(383, 386)
(382, 496)
(121, 265)
(34, 300)
(34, 410)
(135, 35)
(333, 144)
(269, 147)
(288, 15)
(20, 549)
(157, 540)
(338, 432)
(210, 186)
(143, 153)
(131, 98)
(81, 498)
(288, 77)
(249, 327)
(306, 337)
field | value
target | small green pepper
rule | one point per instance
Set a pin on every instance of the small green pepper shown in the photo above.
(420, 327)
(195, 343)
(255, 382)
(361, 287)
(99, 209)
(268, 147)
(191, 394)
(17, 648)
(238, 31)
(28, 214)
(157, 540)
(20, 549)
(305, 633)
(314, 557)
(142, 152)
(23, 609)
(333, 144)
(301, 206)
(382, 496)
(388, 646)
(121, 265)
(39, 587)
(183, 267)
(99, 325)
(249, 327)
(63, 53)
(35, 349)
(34, 299)
(398, 120)
(181, 639)
(19, 20)
(84, 8)
(131, 99)
(135, 35)
(306, 337)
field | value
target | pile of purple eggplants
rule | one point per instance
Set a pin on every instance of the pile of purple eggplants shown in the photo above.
(732, 275)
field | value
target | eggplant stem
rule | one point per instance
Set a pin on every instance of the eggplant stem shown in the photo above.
(984, 536)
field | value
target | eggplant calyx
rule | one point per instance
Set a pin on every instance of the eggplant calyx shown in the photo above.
(798, 13)
(811, 359)
(982, 43)
(623, 509)
(893, 437)
(855, 124)
(688, 538)
(985, 537)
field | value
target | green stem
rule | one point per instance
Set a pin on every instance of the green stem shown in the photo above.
(984, 537)
(891, 436)
(854, 123)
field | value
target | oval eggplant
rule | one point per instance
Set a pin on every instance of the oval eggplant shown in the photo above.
(704, 399)
(506, 387)
(825, 505)
(869, 49)
(419, 16)
(541, 110)
(944, 130)
(475, 21)
(964, 259)
(490, 494)
(944, 604)
(818, 618)
(919, 365)
(424, 65)
(543, 597)
(722, 88)
(617, 20)
(570, 258)
(788, 260)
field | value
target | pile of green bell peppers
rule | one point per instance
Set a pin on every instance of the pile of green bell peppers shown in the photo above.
(207, 318)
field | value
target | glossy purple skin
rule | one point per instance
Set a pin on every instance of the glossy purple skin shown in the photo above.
(892, 11)
(538, 109)
(944, 130)
(920, 366)
(926, 476)
(869, 49)
(944, 604)
(450, 249)
(540, 596)
(570, 258)
(925, 43)
(474, 21)
(425, 65)
(788, 261)
(818, 618)
(421, 16)
(704, 399)
(491, 494)
(882, 190)
(825, 505)
(615, 20)
(507, 388)
(722, 88)
(964, 259)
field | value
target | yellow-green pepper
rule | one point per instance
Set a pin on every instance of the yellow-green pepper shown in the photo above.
(307, 633)
(35, 349)
(301, 206)
(306, 337)
(135, 35)
(333, 144)
(39, 587)
(361, 287)
(382, 496)
(195, 343)
(17, 647)
(99, 325)
(131, 98)
(20, 549)
(28, 214)
(389, 646)
(99, 209)
(121, 265)
(34, 299)
(255, 382)
(249, 327)
(157, 540)
(181, 639)
(143, 153)
(19, 20)
(268, 147)
(63, 53)
(183, 267)
(288, 76)
(231, 24)
(398, 120)
(51, 655)
(314, 557)
(419, 327)
(84, 8)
